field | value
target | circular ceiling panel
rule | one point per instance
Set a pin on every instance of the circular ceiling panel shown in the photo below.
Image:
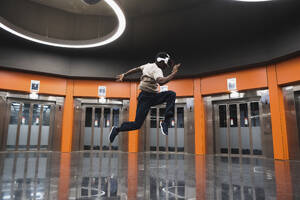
(70, 43)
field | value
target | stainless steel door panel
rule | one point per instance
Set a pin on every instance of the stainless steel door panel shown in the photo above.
(30, 124)
(245, 140)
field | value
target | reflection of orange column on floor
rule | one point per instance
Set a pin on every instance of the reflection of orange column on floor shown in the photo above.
(279, 131)
(132, 175)
(64, 176)
(284, 187)
(199, 115)
(133, 137)
(67, 122)
(200, 175)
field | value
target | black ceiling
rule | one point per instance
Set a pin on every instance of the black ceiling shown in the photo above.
(207, 36)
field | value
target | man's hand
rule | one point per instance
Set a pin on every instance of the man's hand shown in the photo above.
(176, 67)
(120, 78)
(164, 80)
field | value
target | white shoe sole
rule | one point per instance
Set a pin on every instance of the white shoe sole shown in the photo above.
(162, 130)
(112, 128)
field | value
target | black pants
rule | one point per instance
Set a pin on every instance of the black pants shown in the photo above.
(145, 101)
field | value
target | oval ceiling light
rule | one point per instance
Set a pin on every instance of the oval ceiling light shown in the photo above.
(4, 24)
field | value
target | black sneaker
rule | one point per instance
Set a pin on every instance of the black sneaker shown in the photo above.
(164, 128)
(113, 134)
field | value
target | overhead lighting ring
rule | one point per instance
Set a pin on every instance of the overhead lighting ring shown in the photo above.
(114, 35)
(253, 0)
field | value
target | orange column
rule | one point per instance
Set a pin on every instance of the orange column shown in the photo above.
(64, 176)
(279, 131)
(67, 122)
(199, 115)
(200, 175)
(132, 175)
(133, 137)
(284, 186)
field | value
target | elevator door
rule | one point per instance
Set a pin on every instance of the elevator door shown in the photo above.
(29, 125)
(97, 123)
(174, 142)
(297, 105)
(238, 128)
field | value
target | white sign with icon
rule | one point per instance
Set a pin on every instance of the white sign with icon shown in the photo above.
(231, 84)
(102, 91)
(35, 86)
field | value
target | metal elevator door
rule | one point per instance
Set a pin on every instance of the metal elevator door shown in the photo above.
(297, 108)
(174, 142)
(97, 123)
(29, 125)
(238, 128)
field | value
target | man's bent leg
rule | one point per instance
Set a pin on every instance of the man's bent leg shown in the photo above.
(141, 114)
(169, 97)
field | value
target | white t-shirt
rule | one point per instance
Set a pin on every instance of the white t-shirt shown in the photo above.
(148, 80)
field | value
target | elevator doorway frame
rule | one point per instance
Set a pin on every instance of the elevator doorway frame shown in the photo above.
(292, 114)
(189, 130)
(241, 98)
(228, 126)
(55, 124)
(79, 122)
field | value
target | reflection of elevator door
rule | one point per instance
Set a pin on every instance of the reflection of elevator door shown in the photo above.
(174, 142)
(238, 128)
(98, 121)
(29, 125)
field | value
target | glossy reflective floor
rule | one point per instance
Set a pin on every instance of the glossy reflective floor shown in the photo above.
(113, 175)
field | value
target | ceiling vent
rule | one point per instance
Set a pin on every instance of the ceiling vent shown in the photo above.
(91, 2)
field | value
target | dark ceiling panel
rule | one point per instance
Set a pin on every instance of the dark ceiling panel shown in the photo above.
(207, 36)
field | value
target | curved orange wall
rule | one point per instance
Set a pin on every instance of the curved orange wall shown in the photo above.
(89, 88)
(17, 81)
(288, 71)
(282, 73)
(245, 80)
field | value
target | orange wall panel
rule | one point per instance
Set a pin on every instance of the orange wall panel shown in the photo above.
(89, 88)
(18, 81)
(215, 84)
(182, 87)
(252, 78)
(279, 133)
(246, 79)
(133, 138)
(199, 116)
(67, 121)
(288, 71)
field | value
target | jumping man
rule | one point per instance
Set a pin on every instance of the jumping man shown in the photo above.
(152, 76)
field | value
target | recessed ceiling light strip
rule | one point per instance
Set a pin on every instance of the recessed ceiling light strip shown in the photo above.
(253, 0)
(119, 31)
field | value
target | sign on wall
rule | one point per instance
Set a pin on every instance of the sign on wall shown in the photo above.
(231, 84)
(35, 86)
(163, 88)
(102, 91)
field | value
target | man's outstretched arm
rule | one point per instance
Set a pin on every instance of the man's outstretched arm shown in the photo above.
(132, 71)
(164, 80)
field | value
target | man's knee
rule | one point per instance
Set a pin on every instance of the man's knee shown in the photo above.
(172, 94)
(138, 125)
